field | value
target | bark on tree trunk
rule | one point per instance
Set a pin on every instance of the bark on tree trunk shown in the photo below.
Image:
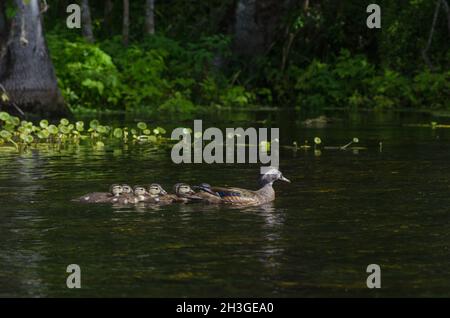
(248, 39)
(26, 70)
(150, 17)
(126, 22)
(3, 24)
(108, 16)
(256, 25)
(86, 22)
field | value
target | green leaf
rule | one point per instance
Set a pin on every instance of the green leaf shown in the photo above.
(101, 129)
(4, 116)
(5, 134)
(64, 121)
(29, 139)
(43, 123)
(64, 129)
(14, 120)
(94, 124)
(52, 129)
(118, 133)
(80, 126)
(99, 144)
(142, 125)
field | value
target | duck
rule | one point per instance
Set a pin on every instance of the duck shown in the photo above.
(127, 196)
(204, 191)
(156, 193)
(239, 196)
(183, 194)
(126, 189)
(115, 190)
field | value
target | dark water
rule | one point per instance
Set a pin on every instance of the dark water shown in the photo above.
(343, 211)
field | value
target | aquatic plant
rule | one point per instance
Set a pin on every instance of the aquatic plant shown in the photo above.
(22, 134)
(318, 142)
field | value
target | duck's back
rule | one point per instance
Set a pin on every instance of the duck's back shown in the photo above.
(95, 197)
(239, 196)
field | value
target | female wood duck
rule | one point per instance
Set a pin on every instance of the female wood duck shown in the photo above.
(243, 196)
(115, 191)
(206, 194)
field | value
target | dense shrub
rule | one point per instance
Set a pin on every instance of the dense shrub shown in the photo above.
(86, 75)
(163, 75)
(353, 82)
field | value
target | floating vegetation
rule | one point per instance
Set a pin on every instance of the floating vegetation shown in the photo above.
(432, 125)
(21, 134)
(318, 143)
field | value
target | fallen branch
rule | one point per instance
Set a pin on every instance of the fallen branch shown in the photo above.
(6, 99)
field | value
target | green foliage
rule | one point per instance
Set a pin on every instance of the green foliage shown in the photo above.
(177, 104)
(432, 89)
(330, 58)
(353, 82)
(158, 74)
(24, 134)
(86, 74)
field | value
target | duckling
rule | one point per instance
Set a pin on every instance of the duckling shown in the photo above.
(183, 194)
(115, 190)
(127, 196)
(206, 194)
(156, 194)
(126, 189)
(141, 194)
(248, 197)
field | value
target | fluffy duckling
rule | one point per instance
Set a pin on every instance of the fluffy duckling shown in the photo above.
(183, 194)
(157, 194)
(115, 191)
(126, 197)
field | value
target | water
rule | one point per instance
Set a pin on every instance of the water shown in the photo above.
(343, 211)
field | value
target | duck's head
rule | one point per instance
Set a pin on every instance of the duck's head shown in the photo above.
(156, 190)
(182, 189)
(139, 190)
(126, 189)
(116, 189)
(272, 175)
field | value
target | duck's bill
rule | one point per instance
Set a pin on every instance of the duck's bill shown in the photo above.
(285, 179)
(163, 192)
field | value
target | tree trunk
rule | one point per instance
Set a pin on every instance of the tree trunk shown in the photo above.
(248, 39)
(150, 17)
(126, 22)
(108, 15)
(256, 25)
(86, 22)
(3, 25)
(26, 70)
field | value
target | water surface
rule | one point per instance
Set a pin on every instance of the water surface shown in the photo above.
(343, 211)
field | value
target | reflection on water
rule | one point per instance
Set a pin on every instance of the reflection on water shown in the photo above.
(343, 211)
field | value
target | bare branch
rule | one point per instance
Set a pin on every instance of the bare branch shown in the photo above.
(430, 36)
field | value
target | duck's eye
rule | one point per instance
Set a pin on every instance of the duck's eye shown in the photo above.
(155, 190)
